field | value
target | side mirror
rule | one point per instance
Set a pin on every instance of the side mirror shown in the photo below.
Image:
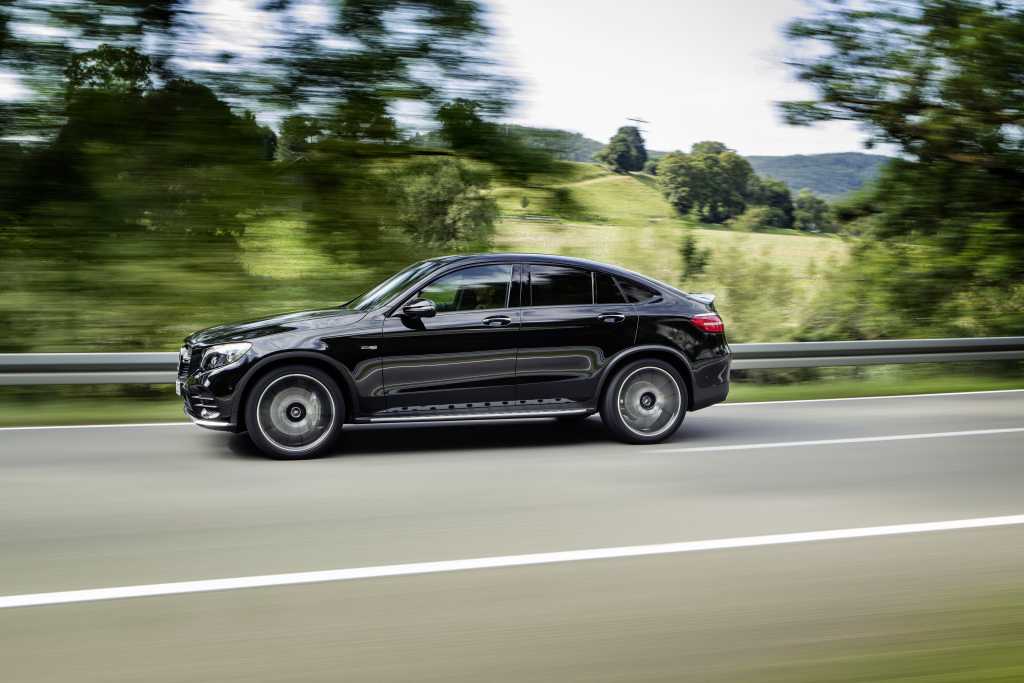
(420, 308)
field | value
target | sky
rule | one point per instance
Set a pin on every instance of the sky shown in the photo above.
(693, 69)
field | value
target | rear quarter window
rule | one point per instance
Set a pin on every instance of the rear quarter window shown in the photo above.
(637, 293)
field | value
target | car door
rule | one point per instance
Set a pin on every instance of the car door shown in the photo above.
(462, 358)
(574, 320)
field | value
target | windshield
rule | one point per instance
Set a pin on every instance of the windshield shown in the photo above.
(382, 293)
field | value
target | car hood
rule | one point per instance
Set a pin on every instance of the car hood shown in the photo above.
(263, 327)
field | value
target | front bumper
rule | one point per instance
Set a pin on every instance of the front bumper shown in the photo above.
(208, 397)
(219, 425)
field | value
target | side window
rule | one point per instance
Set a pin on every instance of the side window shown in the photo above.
(606, 291)
(470, 289)
(560, 286)
(637, 293)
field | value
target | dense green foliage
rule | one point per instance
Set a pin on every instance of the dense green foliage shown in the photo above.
(712, 181)
(439, 203)
(717, 185)
(138, 179)
(812, 213)
(625, 151)
(829, 176)
(942, 79)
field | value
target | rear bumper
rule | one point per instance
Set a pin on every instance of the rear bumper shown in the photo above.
(711, 383)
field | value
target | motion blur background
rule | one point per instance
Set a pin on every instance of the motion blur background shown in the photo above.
(168, 165)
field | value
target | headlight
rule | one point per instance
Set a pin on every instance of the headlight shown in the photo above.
(223, 354)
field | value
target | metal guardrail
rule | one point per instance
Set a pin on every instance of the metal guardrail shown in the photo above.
(885, 352)
(159, 368)
(87, 368)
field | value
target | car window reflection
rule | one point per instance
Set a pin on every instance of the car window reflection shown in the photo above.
(483, 287)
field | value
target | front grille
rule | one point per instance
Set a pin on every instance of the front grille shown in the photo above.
(188, 361)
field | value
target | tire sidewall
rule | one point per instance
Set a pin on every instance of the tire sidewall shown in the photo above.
(610, 408)
(267, 445)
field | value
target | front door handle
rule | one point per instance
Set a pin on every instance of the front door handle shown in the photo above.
(611, 317)
(498, 321)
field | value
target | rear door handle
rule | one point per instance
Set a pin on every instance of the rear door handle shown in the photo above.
(498, 321)
(611, 317)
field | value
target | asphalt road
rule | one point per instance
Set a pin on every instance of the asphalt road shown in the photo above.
(87, 508)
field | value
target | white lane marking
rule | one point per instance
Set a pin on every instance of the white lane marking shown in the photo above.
(151, 590)
(829, 442)
(866, 398)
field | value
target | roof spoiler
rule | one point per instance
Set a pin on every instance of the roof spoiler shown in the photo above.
(704, 298)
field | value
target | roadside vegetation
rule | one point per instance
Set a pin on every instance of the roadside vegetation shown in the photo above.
(141, 198)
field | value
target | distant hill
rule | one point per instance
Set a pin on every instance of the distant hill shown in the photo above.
(830, 176)
(563, 144)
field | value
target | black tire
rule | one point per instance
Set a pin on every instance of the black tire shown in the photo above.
(644, 402)
(294, 412)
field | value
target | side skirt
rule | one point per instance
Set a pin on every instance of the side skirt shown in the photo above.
(484, 414)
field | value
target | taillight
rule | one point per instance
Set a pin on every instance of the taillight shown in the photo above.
(709, 322)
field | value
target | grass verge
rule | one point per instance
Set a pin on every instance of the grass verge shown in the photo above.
(741, 392)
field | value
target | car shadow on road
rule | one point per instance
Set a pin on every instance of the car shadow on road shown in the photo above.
(403, 439)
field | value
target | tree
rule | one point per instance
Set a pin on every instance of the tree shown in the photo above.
(695, 258)
(625, 152)
(712, 181)
(440, 202)
(139, 191)
(775, 194)
(941, 79)
(812, 213)
(298, 132)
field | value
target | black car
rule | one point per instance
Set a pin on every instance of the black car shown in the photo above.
(466, 337)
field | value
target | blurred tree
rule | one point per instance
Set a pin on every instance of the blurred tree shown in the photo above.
(941, 79)
(695, 258)
(625, 152)
(712, 181)
(298, 133)
(466, 132)
(137, 175)
(139, 191)
(440, 203)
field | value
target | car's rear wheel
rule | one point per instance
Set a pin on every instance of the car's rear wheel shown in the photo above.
(645, 402)
(295, 412)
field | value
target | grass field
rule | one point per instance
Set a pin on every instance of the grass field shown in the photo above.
(654, 251)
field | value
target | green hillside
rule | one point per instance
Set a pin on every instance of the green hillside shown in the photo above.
(830, 176)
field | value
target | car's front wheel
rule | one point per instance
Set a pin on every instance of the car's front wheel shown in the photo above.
(645, 402)
(294, 412)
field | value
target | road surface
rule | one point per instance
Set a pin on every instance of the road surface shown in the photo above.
(122, 507)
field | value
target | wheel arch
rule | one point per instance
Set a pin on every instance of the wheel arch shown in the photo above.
(333, 368)
(671, 356)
